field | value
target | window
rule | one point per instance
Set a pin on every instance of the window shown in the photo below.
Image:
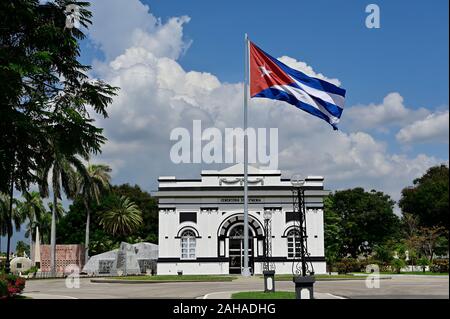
(188, 244)
(293, 244)
(291, 216)
(188, 217)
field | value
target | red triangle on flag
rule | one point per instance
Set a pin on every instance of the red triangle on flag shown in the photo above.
(264, 72)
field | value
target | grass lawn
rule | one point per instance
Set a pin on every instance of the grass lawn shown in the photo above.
(263, 295)
(177, 278)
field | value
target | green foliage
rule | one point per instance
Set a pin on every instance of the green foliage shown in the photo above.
(332, 232)
(384, 254)
(22, 248)
(70, 228)
(121, 216)
(45, 90)
(428, 198)
(32, 270)
(14, 285)
(356, 221)
(347, 265)
(397, 264)
(439, 265)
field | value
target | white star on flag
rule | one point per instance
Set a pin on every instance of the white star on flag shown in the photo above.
(264, 71)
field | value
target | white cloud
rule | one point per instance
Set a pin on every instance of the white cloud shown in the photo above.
(391, 111)
(121, 24)
(305, 68)
(433, 128)
(158, 95)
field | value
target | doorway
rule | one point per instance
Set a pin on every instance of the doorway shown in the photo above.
(236, 249)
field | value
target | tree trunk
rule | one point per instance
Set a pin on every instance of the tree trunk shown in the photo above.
(31, 242)
(86, 240)
(9, 226)
(53, 238)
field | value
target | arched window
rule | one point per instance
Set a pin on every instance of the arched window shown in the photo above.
(188, 244)
(293, 243)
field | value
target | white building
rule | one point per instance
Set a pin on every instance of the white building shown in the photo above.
(201, 222)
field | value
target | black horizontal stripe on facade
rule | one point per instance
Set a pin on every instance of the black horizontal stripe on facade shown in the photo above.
(197, 260)
(226, 259)
(233, 188)
(240, 175)
(319, 204)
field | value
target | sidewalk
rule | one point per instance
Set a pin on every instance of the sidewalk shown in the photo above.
(227, 295)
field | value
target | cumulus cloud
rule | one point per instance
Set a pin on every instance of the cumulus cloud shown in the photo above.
(433, 128)
(305, 68)
(119, 25)
(158, 95)
(392, 111)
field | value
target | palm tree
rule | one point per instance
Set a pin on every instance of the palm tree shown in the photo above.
(90, 187)
(6, 221)
(31, 208)
(121, 217)
(63, 167)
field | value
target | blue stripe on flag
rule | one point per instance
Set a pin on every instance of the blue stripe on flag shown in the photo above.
(277, 94)
(307, 80)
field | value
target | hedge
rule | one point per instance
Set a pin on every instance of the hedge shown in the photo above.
(439, 265)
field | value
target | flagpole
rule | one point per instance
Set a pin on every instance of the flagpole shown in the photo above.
(246, 270)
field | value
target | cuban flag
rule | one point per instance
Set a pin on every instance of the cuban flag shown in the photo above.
(272, 79)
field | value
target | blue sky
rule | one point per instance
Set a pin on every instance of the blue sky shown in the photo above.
(409, 54)
(396, 78)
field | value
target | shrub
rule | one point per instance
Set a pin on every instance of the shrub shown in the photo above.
(11, 285)
(347, 265)
(439, 265)
(398, 264)
(32, 270)
(423, 262)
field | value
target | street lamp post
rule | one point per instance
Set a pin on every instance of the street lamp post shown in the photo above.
(303, 276)
(268, 270)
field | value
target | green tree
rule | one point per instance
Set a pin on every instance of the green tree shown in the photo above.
(366, 219)
(31, 208)
(45, 89)
(149, 208)
(70, 227)
(90, 187)
(46, 94)
(332, 232)
(121, 217)
(428, 198)
(9, 221)
(62, 167)
(22, 248)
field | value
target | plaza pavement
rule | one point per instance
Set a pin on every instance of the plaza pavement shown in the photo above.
(399, 287)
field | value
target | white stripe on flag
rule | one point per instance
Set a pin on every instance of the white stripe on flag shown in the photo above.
(323, 95)
(302, 96)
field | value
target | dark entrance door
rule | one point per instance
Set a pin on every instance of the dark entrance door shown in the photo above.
(236, 250)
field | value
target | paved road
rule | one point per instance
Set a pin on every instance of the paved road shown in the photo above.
(397, 287)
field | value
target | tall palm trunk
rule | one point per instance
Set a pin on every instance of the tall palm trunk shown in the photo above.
(86, 240)
(31, 242)
(9, 225)
(53, 238)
